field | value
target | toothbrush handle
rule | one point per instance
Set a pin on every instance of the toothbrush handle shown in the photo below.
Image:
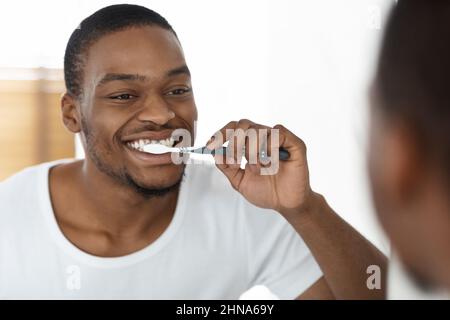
(283, 153)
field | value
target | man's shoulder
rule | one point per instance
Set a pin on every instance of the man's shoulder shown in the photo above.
(19, 181)
(31, 171)
(19, 190)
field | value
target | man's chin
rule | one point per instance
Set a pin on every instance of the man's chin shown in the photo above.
(158, 183)
(158, 176)
(420, 280)
(157, 186)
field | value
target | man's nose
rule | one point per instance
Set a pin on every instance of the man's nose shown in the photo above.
(156, 110)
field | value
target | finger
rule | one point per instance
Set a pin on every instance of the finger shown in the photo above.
(253, 143)
(253, 168)
(246, 143)
(233, 172)
(269, 148)
(268, 145)
(289, 141)
(236, 145)
(219, 137)
(236, 138)
(230, 126)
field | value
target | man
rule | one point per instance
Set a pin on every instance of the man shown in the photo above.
(127, 224)
(409, 159)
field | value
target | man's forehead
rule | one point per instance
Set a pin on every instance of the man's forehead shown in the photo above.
(147, 53)
(146, 40)
(108, 77)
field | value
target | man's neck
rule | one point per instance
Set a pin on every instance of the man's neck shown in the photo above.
(104, 217)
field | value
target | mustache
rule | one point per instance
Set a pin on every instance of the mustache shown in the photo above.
(149, 127)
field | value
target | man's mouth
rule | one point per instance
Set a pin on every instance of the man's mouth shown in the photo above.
(135, 145)
(140, 143)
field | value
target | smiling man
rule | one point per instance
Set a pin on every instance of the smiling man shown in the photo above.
(122, 223)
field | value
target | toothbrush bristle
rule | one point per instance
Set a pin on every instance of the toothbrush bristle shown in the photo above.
(156, 148)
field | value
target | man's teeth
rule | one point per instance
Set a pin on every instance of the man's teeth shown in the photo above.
(139, 144)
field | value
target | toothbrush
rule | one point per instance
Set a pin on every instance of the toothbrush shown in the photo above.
(156, 148)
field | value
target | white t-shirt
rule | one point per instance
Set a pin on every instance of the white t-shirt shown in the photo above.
(216, 247)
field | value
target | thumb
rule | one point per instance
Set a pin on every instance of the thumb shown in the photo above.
(233, 171)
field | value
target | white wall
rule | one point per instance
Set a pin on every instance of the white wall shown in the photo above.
(302, 63)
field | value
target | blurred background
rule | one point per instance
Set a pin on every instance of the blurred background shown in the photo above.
(304, 63)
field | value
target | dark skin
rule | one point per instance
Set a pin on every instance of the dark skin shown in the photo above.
(107, 217)
(341, 252)
(410, 195)
(103, 216)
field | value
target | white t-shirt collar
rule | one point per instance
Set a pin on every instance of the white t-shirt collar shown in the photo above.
(102, 262)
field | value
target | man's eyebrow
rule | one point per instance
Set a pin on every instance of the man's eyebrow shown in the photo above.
(137, 77)
(177, 71)
(120, 77)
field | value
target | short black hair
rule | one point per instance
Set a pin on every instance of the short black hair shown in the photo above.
(102, 22)
(413, 74)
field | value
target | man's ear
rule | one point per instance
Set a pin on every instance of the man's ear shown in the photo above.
(406, 167)
(70, 113)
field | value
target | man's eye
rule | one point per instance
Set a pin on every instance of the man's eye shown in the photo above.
(124, 96)
(179, 91)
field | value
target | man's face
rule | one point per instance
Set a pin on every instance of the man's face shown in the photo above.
(383, 162)
(136, 86)
(406, 198)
